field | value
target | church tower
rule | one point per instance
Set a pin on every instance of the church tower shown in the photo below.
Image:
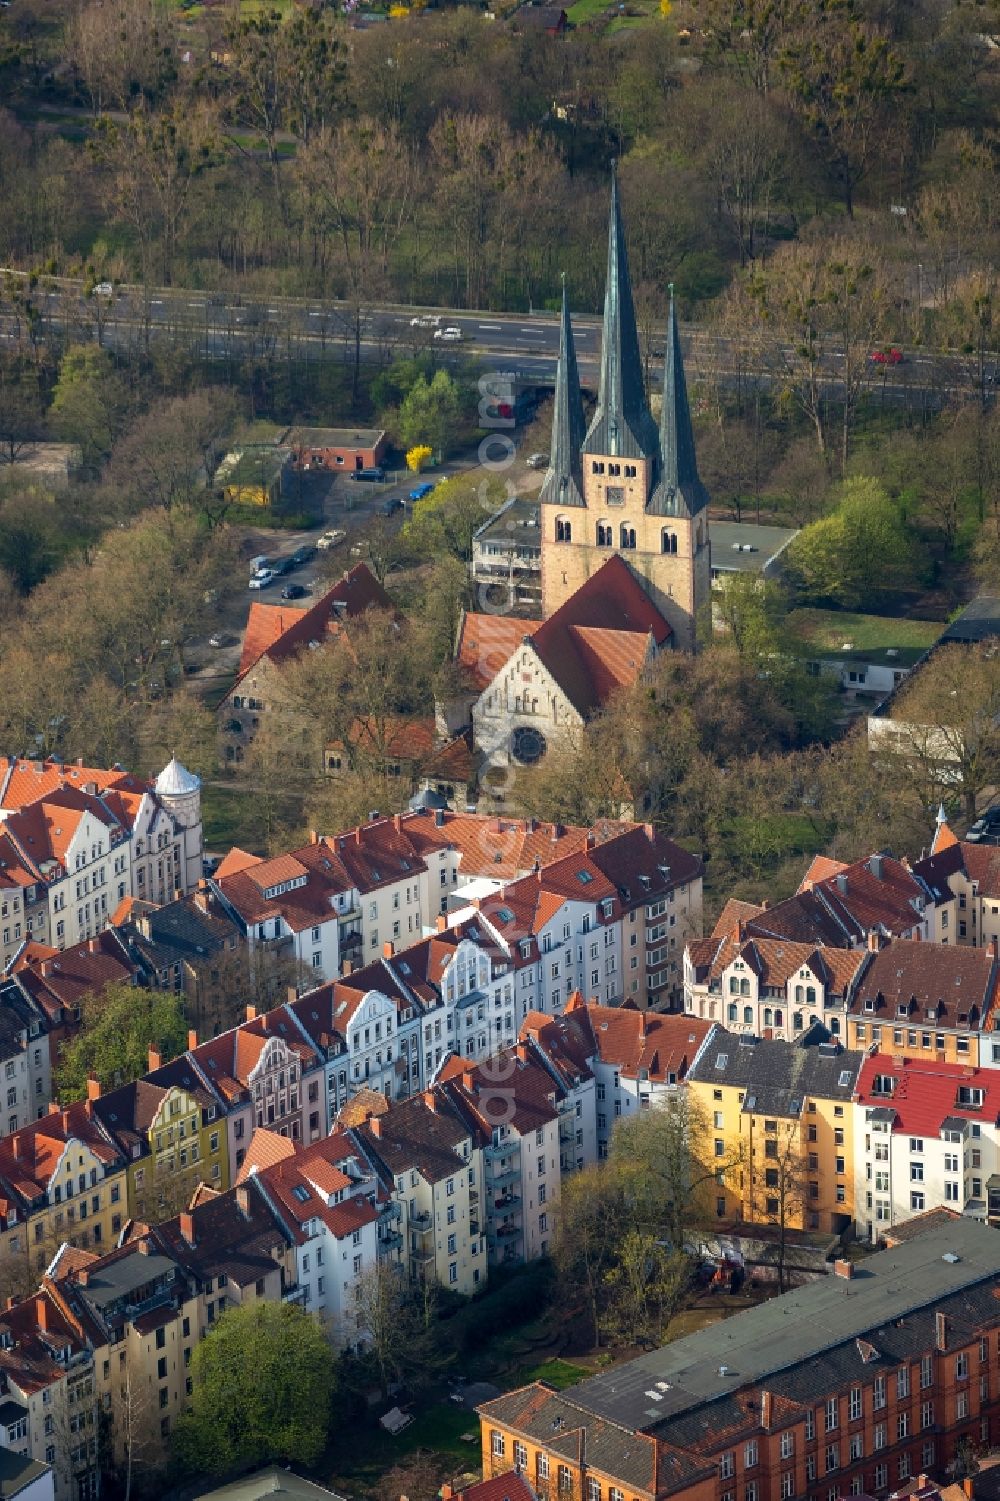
(627, 487)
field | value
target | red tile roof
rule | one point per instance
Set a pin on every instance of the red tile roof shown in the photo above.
(277, 633)
(662, 1045)
(940, 985)
(732, 914)
(486, 644)
(927, 1093)
(56, 980)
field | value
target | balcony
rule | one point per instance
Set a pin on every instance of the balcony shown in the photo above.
(567, 1129)
(506, 1175)
(496, 1150)
(421, 1222)
(503, 1232)
(508, 1201)
(294, 1294)
(390, 1242)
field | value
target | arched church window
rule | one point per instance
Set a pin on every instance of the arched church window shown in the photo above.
(669, 541)
(564, 529)
(628, 536)
(605, 535)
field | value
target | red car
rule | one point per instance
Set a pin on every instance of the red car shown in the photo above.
(887, 356)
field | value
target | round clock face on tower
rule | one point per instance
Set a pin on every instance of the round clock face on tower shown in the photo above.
(527, 745)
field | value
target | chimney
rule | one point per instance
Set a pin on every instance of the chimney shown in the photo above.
(251, 1013)
(201, 901)
(375, 1125)
(388, 949)
(441, 923)
(940, 1332)
(397, 823)
(765, 1410)
(54, 1107)
(46, 966)
(202, 884)
(42, 1312)
(291, 994)
(65, 1122)
(445, 1492)
(841, 880)
(843, 1269)
(467, 1080)
(155, 1059)
(186, 1220)
(874, 942)
(521, 1052)
(93, 1087)
(591, 840)
(967, 1486)
(83, 1276)
(347, 968)
(439, 818)
(243, 1200)
(192, 1038)
(313, 836)
(430, 1100)
(993, 948)
(875, 866)
(93, 945)
(15, 1144)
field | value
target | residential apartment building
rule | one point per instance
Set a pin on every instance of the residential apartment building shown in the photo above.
(49, 1408)
(432, 1164)
(337, 1218)
(927, 1134)
(168, 1129)
(963, 881)
(770, 987)
(77, 841)
(25, 1065)
(62, 1180)
(513, 1102)
(192, 947)
(138, 1315)
(782, 1124)
(928, 1000)
(848, 1386)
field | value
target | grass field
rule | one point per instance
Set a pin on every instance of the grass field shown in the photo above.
(235, 815)
(586, 10)
(828, 630)
(364, 1452)
(558, 1373)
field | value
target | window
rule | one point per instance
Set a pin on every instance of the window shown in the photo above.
(727, 1465)
(961, 1367)
(927, 1414)
(668, 541)
(787, 1445)
(855, 1400)
(750, 1454)
(498, 1444)
(903, 1381)
(857, 1446)
(878, 1392)
(565, 1477)
(832, 1414)
(564, 529)
(878, 1437)
(831, 1458)
(962, 1405)
(520, 1455)
(926, 1371)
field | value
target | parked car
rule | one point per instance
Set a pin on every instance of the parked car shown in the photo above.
(537, 461)
(262, 579)
(257, 565)
(218, 641)
(294, 591)
(369, 476)
(448, 335)
(887, 356)
(426, 320)
(303, 555)
(282, 566)
(103, 289)
(331, 539)
(419, 491)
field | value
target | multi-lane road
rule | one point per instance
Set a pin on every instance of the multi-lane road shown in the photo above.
(220, 327)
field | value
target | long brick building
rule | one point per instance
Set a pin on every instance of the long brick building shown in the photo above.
(845, 1387)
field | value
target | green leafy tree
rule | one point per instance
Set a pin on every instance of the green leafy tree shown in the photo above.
(119, 1026)
(859, 554)
(263, 1388)
(431, 413)
(91, 404)
(443, 523)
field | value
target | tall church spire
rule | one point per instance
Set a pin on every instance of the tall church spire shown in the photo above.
(622, 425)
(563, 484)
(678, 490)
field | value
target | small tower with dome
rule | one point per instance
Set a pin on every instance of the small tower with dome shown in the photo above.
(179, 790)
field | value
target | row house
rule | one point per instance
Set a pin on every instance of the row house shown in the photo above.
(25, 1064)
(192, 947)
(839, 906)
(232, 1248)
(639, 1060)
(337, 1217)
(288, 908)
(48, 1400)
(57, 982)
(963, 881)
(927, 1135)
(431, 1163)
(140, 1316)
(852, 1385)
(928, 1000)
(512, 1101)
(564, 1046)
(168, 1128)
(262, 1074)
(770, 987)
(782, 1126)
(77, 841)
(62, 1180)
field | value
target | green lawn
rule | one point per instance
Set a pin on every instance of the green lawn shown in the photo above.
(586, 10)
(558, 1373)
(235, 815)
(361, 1455)
(828, 630)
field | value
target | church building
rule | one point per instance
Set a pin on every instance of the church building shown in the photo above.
(625, 485)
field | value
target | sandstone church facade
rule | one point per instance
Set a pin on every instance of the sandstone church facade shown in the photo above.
(626, 485)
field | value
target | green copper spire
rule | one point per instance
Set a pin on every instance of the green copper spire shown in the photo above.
(563, 484)
(678, 490)
(622, 425)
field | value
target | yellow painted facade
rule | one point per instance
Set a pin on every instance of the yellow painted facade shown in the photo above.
(186, 1145)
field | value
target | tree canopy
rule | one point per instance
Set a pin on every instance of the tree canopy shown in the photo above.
(118, 1027)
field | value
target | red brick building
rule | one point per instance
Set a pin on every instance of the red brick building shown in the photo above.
(849, 1386)
(333, 448)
